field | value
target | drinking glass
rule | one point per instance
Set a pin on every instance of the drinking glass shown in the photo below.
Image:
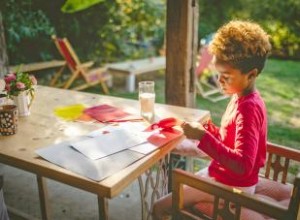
(147, 99)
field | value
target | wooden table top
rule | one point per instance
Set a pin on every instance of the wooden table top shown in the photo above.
(43, 128)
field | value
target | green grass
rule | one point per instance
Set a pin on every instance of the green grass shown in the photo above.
(278, 84)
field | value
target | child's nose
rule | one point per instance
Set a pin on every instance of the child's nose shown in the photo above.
(220, 79)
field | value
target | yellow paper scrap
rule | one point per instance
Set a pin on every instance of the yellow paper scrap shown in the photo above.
(70, 112)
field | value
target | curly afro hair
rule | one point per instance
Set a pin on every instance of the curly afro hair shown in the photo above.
(242, 44)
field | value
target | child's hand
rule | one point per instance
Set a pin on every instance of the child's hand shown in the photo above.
(193, 130)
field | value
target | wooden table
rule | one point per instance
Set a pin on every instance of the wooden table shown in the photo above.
(42, 128)
(136, 67)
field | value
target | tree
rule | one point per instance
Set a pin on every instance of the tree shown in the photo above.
(3, 55)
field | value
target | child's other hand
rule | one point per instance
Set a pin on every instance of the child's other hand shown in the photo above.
(193, 130)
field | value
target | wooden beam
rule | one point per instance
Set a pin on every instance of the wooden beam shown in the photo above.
(182, 29)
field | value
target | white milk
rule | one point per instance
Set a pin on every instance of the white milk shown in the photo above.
(147, 101)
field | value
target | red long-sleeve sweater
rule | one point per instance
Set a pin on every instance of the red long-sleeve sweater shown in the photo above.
(238, 147)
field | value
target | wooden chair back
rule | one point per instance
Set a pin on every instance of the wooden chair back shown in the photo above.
(277, 167)
(67, 52)
(91, 76)
(204, 62)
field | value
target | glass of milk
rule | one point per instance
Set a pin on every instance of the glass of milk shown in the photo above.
(147, 99)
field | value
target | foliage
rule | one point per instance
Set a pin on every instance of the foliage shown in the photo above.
(285, 43)
(127, 29)
(24, 26)
(213, 14)
(135, 27)
(107, 32)
(279, 19)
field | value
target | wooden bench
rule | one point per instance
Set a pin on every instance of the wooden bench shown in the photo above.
(33, 67)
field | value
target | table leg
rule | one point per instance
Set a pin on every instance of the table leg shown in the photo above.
(43, 195)
(103, 208)
(130, 84)
(153, 185)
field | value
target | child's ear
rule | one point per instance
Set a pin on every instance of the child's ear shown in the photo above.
(253, 74)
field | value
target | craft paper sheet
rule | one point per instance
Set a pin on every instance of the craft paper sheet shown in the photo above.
(64, 155)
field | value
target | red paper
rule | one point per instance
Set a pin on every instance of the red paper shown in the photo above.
(164, 136)
(104, 113)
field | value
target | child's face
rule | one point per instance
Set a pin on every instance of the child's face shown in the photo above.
(232, 80)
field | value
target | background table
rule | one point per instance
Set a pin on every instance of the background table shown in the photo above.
(43, 128)
(136, 67)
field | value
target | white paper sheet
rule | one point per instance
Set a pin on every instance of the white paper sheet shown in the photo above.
(145, 148)
(114, 138)
(64, 155)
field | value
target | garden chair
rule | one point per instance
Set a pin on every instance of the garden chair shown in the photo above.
(90, 76)
(274, 197)
(206, 84)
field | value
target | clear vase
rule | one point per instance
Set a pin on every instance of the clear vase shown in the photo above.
(23, 102)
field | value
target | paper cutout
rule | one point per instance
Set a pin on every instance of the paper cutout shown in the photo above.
(165, 123)
(104, 113)
(69, 113)
(161, 137)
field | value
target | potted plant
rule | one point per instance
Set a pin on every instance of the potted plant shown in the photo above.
(20, 88)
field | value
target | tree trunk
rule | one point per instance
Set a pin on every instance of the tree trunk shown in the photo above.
(182, 31)
(4, 69)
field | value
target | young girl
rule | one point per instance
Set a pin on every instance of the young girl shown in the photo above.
(238, 147)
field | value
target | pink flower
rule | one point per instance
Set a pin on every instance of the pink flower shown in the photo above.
(20, 85)
(33, 80)
(10, 77)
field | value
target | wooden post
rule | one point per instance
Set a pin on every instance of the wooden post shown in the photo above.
(3, 55)
(182, 35)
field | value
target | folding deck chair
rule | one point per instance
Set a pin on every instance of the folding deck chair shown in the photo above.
(90, 76)
(207, 88)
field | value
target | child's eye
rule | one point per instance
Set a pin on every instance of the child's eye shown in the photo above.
(224, 77)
